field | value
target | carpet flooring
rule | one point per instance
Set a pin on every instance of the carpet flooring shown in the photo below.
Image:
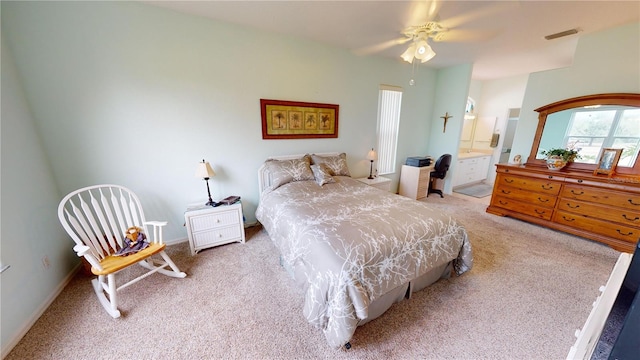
(476, 190)
(529, 290)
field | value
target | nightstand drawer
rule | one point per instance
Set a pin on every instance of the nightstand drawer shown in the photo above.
(216, 236)
(212, 221)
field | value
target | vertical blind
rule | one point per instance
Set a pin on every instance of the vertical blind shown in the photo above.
(389, 102)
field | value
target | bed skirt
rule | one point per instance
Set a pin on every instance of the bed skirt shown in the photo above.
(402, 292)
(383, 303)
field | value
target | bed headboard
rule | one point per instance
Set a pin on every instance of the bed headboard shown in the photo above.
(264, 181)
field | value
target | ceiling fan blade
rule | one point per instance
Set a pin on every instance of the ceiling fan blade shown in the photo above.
(478, 13)
(466, 35)
(379, 47)
(423, 11)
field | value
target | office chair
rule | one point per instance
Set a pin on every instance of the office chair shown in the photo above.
(439, 172)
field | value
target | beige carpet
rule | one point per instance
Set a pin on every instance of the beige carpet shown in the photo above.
(530, 289)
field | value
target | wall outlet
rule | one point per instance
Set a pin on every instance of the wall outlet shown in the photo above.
(45, 262)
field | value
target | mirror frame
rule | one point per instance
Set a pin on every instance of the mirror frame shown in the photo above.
(627, 99)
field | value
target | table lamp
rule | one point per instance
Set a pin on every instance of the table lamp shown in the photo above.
(371, 156)
(204, 171)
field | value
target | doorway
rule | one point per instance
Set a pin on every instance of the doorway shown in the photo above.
(512, 124)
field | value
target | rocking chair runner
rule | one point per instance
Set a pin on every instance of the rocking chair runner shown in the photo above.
(97, 218)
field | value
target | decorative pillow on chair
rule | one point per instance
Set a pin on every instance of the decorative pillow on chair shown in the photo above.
(336, 164)
(322, 174)
(286, 171)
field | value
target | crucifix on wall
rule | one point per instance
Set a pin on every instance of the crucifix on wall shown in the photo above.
(446, 117)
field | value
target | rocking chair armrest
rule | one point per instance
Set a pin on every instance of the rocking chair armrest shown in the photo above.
(83, 250)
(157, 230)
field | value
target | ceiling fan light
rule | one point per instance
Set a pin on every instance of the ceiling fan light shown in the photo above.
(409, 53)
(421, 48)
(424, 51)
(428, 55)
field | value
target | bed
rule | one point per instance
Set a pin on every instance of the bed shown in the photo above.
(354, 249)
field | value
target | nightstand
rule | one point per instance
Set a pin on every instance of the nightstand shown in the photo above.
(379, 182)
(212, 226)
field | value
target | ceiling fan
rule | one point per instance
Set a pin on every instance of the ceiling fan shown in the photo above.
(435, 30)
(420, 48)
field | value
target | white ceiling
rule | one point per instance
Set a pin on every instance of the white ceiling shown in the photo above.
(501, 38)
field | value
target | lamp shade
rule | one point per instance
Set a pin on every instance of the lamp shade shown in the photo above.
(409, 53)
(204, 170)
(424, 52)
(372, 155)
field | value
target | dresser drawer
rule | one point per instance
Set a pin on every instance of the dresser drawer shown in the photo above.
(537, 185)
(538, 199)
(212, 221)
(617, 231)
(621, 216)
(522, 208)
(217, 236)
(603, 196)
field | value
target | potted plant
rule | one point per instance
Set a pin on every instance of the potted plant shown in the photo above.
(557, 158)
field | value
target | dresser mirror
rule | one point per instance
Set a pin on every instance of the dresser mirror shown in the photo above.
(590, 123)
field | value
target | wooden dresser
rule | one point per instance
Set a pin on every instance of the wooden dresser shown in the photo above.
(595, 207)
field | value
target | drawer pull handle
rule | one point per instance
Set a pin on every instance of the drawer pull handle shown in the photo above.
(632, 203)
(219, 235)
(508, 180)
(629, 218)
(580, 181)
(547, 187)
(505, 192)
(575, 206)
(627, 234)
(503, 202)
(581, 192)
(550, 176)
(539, 212)
(543, 200)
(567, 219)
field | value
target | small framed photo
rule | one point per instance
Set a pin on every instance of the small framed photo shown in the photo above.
(608, 161)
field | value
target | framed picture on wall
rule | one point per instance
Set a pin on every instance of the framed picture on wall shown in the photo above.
(298, 120)
(608, 161)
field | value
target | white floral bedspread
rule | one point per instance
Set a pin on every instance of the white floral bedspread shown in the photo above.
(348, 244)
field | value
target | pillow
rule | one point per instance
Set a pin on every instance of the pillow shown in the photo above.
(322, 174)
(285, 171)
(336, 164)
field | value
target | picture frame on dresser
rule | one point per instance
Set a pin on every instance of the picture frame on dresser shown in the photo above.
(607, 161)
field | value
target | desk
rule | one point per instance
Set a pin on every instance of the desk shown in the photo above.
(414, 181)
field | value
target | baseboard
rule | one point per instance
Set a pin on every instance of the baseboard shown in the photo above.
(6, 349)
(176, 241)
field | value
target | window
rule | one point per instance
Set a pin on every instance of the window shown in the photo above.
(389, 102)
(593, 129)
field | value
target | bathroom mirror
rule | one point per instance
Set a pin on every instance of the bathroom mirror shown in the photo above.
(591, 123)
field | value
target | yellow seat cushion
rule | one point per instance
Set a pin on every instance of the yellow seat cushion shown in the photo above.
(112, 263)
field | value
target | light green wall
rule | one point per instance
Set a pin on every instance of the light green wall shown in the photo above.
(137, 95)
(451, 97)
(29, 225)
(127, 93)
(605, 62)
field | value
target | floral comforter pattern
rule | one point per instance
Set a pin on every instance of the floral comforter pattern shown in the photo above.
(348, 244)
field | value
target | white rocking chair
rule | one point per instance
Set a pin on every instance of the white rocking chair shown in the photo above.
(97, 218)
